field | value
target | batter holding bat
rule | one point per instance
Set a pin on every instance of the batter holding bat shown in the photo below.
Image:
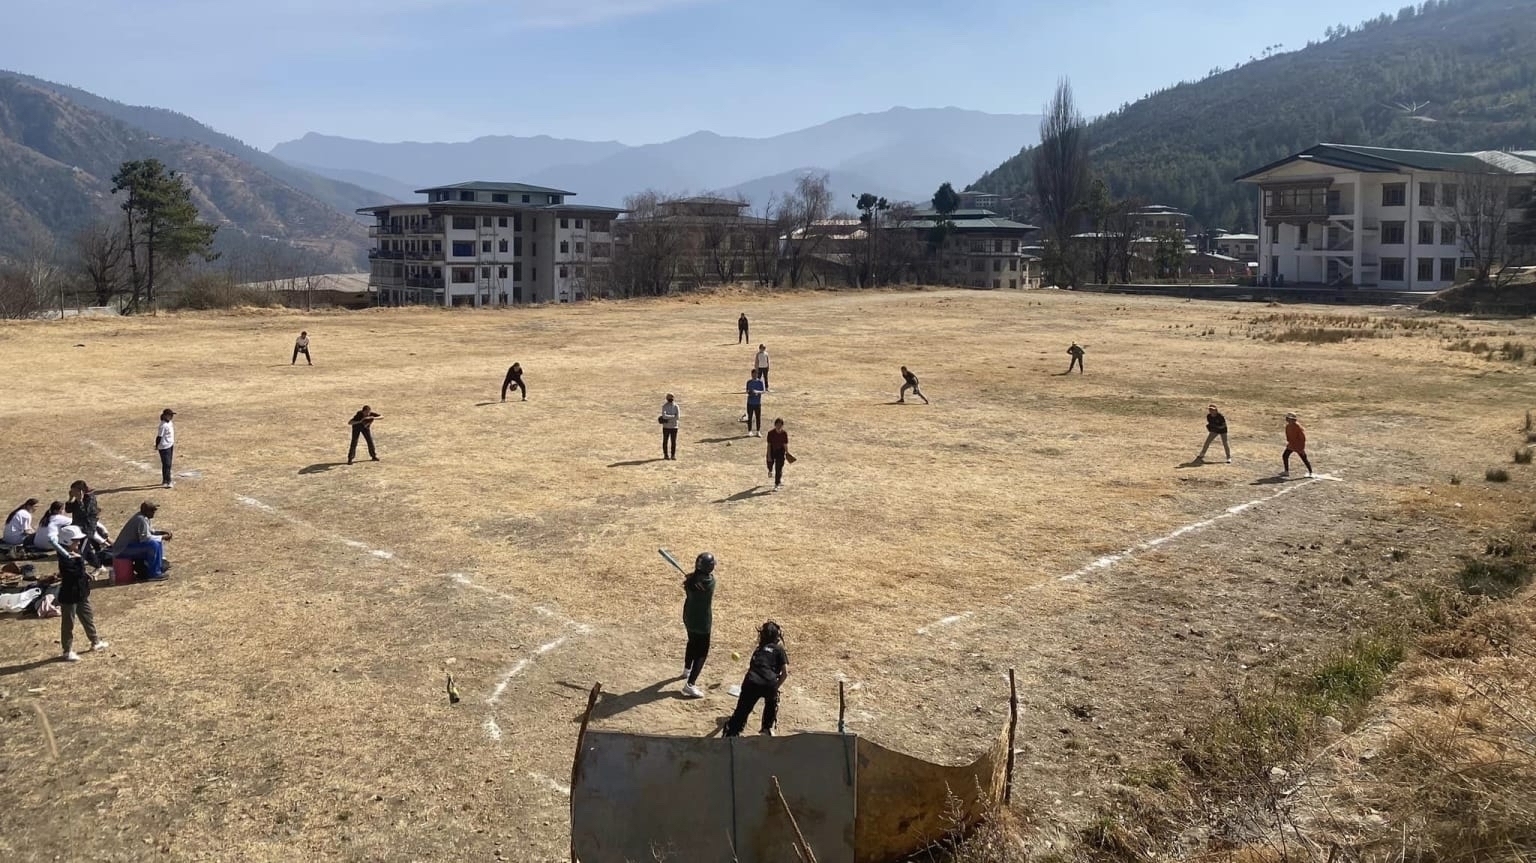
(698, 618)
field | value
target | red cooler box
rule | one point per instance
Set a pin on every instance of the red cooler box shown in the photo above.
(122, 570)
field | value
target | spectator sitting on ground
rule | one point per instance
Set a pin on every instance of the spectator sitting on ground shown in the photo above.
(48, 527)
(18, 525)
(140, 542)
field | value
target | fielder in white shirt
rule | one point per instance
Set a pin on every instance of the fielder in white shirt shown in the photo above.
(165, 444)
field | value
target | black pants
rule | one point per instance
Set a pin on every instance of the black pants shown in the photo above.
(517, 385)
(1286, 459)
(1077, 362)
(741, 334)
(751, 693)
(776, 465)
(763, 374)
(694, 656)
(915, 391)
(305, 352)
(755, 414)
(669, 438)
(165, 464)
(363, 432)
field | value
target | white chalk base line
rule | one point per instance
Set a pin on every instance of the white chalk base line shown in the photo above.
(1108, 561)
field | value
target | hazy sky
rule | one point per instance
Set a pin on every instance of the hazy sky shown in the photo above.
(632, 70)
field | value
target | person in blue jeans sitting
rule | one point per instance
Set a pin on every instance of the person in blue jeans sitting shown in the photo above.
(139, 542)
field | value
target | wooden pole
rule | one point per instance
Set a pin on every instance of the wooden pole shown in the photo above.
(581, 738)
(802, 849)
(1013, 726)
(842, 710)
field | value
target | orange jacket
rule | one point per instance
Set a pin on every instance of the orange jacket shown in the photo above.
(1295, 437)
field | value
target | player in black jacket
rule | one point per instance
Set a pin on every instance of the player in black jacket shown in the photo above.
(1215, 427)
(766, 672)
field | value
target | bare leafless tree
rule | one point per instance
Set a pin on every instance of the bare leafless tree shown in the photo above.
(649, 247)
(804, 210)
(1487, 216)
(1061, 180)
(101, 258)
(762, 240)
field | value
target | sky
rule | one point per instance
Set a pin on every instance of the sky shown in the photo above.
(636, 71)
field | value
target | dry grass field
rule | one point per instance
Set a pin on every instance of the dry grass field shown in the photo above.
(281, 696)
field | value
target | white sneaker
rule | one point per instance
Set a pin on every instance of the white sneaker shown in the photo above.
(70, 656)
(169, 485)
(767, 732)
(100, 645)
(1309, 474)
(1229, 461)
(691, 691)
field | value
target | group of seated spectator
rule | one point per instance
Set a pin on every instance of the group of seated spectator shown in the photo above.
(138, 541)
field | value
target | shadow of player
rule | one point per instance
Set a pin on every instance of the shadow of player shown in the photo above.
(1198, 462)
(722, 439)
(746, 495)
(320, 467)
(638, 461)
(1270, 480)
(611, 704)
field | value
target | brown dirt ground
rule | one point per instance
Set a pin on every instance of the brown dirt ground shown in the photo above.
(281, 697)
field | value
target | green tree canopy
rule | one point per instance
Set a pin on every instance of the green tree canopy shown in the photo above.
(162, 224)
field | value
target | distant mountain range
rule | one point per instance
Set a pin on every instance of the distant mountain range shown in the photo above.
(903, 153)
(60, 146)
(1452, 75)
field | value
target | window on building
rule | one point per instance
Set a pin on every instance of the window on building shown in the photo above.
(578, 224)
(600, 226)
(1520, 196)
(1426, 194)
(517, 271)
(1015, 247)
(1447, 269)
(581, 247)
(601, 250)
(485, 273)
(997, 246)
(1426, 269)
(1013, 265)
(1448, 194)
(517, 221)
(466, 196)
(437, 247)
(997, 265)
(533, 274)
(554, 199)
(517, 246)
(502, 246)
(1274, 233)
(1301, 234)
(499, 198)
(463, 223)
(501, 221)
(1394, 194)
(564, 271)
(1447, 233)
(565, 223)
(535, 250)
(1393, 233)
(485, 246)
(581, 271)
(486, 222)
(1392, 269)
(501, 272)
(533, 223)
(525, 199)
(463, 249)
(463, 275)
(1012, 284)
(997, 283)
(978, 266)
(565, 247)
(1427, 233)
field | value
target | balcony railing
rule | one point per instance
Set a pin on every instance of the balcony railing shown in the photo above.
(386, 254)
(423, 282)
(384, 230)
(432, 227)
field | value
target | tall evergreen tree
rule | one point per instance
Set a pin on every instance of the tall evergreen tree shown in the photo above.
(162, 224)
(1061, 180)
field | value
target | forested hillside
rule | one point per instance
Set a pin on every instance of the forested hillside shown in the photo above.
(1445, 75)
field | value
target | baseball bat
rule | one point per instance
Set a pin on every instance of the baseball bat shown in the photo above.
(672, 560)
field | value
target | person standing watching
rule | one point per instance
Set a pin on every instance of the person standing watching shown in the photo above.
(778, 453)
(514, 378)
(743, 333)
(362, 427)
(301, 346)
(698, 621)
(668, 419)
(86, 514)
(755, 388)
(74, 595)
(760, 363)
(138, 541)
(165, 444)
(1076, 353)
(910, 384)
(1215, 427)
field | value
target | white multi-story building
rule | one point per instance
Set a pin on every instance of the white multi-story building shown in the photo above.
(1242, 247)
(486, 244)
(1374, 217)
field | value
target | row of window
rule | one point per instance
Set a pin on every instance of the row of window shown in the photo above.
(496, 197)
(466, 275)
(1392, 234)
(980, 266)
(468, 223)
(996, 247)
(1393, 269)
